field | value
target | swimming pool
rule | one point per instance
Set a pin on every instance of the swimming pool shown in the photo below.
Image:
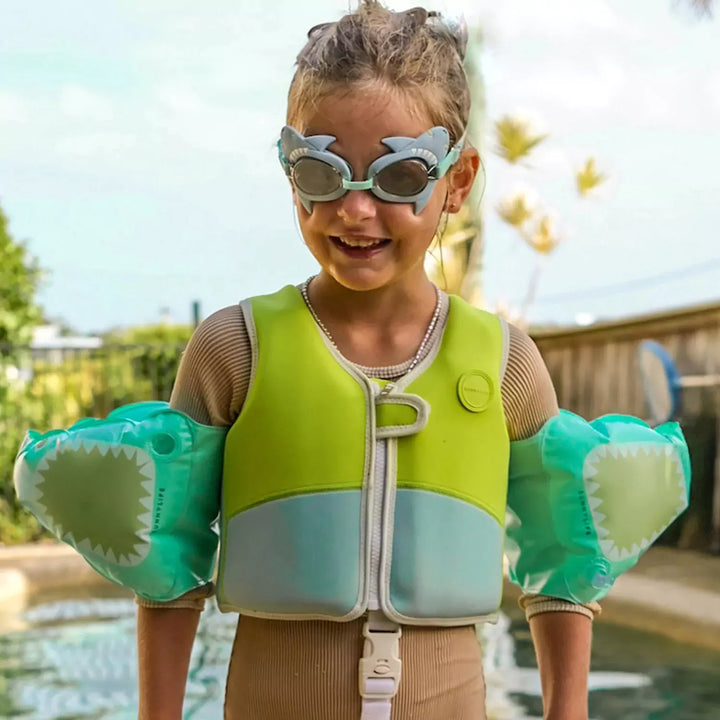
(75, 658)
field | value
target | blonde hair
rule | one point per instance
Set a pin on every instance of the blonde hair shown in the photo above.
(399, 50)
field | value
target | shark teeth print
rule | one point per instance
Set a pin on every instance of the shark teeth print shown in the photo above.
(634, 491)
(141, 474)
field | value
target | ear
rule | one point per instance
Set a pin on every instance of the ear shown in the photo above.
(461, 178)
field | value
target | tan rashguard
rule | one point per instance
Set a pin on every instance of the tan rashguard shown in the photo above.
(307, 670)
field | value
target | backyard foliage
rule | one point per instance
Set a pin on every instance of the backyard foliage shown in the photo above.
(53, 389)
(19, 278)
(19, 313)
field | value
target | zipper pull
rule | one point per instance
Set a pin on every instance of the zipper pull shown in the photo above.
(388, 389)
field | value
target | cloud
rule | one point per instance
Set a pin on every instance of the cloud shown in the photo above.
(712, 92)
(85, 105)
(12, 109)
(96, 143)
(521, 20)
(182, 113)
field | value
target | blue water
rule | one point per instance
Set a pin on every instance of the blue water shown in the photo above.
(76, 659)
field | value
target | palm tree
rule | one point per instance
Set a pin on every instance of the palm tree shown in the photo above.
(455, 257)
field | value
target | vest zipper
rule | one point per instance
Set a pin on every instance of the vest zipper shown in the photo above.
(376, 521)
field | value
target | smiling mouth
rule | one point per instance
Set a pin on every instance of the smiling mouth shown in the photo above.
(359, 243)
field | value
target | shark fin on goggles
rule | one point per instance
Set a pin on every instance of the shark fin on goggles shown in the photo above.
(432, 148)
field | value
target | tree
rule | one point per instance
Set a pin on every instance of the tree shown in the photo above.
(156, 354)
(454, 260)
(20, 277)
(19, 280)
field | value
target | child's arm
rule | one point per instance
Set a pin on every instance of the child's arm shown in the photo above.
(529, 401)
(562, 646)
(210, 387)
(164, 639)
(562, 638)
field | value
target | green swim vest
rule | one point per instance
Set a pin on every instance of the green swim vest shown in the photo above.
(301, 510)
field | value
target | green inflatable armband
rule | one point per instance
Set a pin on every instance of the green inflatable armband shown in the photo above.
(586, 499)
(137, 494)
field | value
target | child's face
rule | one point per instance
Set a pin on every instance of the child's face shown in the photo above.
(362, 242)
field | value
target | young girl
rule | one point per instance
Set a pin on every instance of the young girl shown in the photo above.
(376, 155)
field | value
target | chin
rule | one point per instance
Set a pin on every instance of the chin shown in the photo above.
(362, 280)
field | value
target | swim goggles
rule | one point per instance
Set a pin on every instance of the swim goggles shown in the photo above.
(407, 174)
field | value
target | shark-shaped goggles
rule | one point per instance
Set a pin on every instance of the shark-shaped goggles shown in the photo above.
(407, 174)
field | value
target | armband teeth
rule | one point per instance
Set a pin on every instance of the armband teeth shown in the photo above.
(621, 476)
(118, 481)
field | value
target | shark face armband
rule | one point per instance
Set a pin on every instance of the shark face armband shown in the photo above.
(137, 494)
(586, 499)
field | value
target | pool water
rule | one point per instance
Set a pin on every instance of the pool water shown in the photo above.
(76, 659)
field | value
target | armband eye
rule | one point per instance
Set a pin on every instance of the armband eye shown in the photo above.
(163, 444)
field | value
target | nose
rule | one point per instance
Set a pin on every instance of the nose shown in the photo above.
(356, 205)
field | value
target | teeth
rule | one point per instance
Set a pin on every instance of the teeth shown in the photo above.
(594, 502)
(33, 492)
(84, 546)
(360, 243)
(591, 486)
(147, 502)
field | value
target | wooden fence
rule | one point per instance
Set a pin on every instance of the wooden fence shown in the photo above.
(595, 371)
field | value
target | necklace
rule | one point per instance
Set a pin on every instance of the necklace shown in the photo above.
(421, 349)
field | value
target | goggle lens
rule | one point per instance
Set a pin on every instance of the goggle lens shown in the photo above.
(405, 178)
(315, 177)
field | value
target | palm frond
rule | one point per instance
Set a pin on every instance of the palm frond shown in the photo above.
(515, 210)
(515, 139)
(543, 239)
(588, 178)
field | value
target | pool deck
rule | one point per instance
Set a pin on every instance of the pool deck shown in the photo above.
(672, 592)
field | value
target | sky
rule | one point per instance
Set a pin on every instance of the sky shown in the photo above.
(138, 162)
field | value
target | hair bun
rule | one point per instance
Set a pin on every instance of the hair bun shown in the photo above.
(454, 28)
(418, 16)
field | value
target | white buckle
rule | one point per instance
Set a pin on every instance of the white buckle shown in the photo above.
(380, 665)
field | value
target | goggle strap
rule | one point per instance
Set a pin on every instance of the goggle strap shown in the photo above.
(283, 160)
(451, 158)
